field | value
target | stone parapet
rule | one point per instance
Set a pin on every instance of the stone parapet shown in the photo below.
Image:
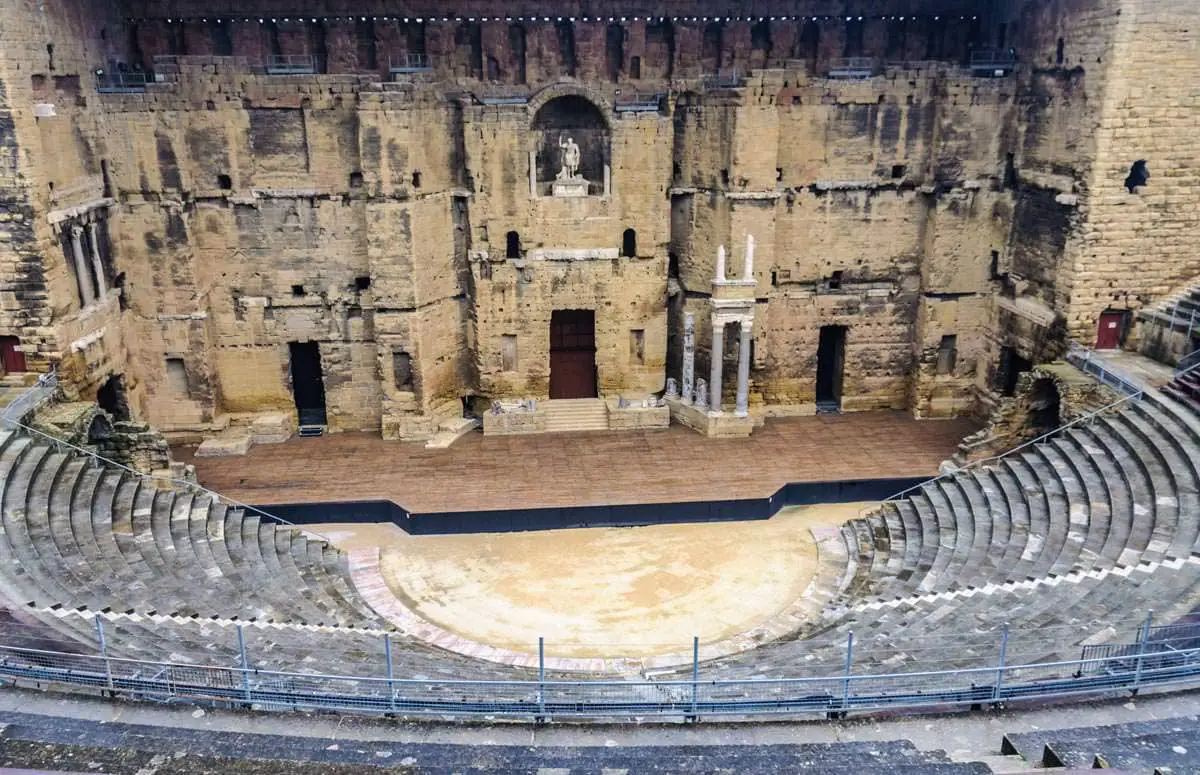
(723, 425)
(636, 416)
(516, 421)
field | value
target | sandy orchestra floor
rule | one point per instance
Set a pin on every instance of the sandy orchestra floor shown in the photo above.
(595, 592)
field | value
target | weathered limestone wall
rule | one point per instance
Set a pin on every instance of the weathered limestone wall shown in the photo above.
(46, 51)
(948, 221)
(1138, 247)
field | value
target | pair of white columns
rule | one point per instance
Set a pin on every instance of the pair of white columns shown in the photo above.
(741, 407)
(84, 273)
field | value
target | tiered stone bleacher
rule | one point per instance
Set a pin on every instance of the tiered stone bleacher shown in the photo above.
(1070, 541)
(1161, 745)
(172, 572)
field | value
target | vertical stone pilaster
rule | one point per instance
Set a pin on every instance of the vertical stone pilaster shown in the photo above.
(718, 351)
(97, 264)
(86, 294)
(689, 356)
(742, 408)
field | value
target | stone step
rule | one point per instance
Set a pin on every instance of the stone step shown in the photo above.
(450, 431)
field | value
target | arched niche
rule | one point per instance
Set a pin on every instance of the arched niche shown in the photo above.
(571, 117)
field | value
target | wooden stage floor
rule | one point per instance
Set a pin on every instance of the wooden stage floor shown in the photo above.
(576, 469)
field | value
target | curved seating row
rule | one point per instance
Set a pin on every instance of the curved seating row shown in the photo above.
(1069, 541)
(172, 572)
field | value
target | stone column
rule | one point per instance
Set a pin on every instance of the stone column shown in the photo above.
(742, 408)
(720, 277)
(97, 264)
(689, 356)
(717, 356)
(748, 269)
(607, 181)
(533, 174)
(86, 295)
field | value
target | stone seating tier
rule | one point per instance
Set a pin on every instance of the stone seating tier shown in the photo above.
(1071, 539)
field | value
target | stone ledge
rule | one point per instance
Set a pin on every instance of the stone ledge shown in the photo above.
(624, 418)
(580, 254)
(724, 425)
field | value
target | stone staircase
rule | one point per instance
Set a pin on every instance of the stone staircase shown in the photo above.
(1179, 313)
(450, 431)
(1185, 388)
(576, 414)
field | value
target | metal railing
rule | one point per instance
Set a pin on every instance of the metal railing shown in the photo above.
(996, 62)
(638, 102)
(852, 67)
(729, 79)
(1149, 664)
(1187, 362)
(294, 64)
(118, 82)
(1085, 359)
(47, 387)
(1180, 315)
(409, 63)
(30, 399)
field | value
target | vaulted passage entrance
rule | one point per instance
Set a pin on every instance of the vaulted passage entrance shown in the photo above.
(573, 353)
(307, 386)
(831, 356)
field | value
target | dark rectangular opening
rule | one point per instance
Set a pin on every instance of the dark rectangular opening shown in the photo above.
(308, 387)
(1009, 370)
(831, 357)
(573, 353)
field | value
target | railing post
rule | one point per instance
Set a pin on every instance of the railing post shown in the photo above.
(541, 694)
(245, 664)
(108, 679)
(695, 715)
(387, 650)
(1141, 653)
(1000, 665)
(849, 665)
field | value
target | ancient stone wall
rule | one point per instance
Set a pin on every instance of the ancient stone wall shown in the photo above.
(400, 205)
(1139, 246)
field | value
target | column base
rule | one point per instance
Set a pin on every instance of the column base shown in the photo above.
(714, 424)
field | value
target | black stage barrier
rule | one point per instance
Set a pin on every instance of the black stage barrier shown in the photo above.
(616, 515)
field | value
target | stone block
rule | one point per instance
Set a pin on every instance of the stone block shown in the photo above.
(274, 428)
(637, 417)
(723, 425)
(222, 446)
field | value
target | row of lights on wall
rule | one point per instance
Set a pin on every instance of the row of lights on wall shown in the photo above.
(421, 20)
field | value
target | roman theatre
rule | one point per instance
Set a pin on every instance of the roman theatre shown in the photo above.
(599, 359)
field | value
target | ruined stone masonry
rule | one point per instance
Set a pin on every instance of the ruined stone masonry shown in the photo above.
(378, 217)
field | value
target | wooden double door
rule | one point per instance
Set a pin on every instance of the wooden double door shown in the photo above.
(573, 353)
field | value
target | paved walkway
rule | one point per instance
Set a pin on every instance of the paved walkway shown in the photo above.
(574, 469)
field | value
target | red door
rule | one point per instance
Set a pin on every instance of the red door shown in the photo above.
(1108, 336)
(10, 356)
(573, 353)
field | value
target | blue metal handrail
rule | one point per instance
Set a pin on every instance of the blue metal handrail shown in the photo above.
(604, 699)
